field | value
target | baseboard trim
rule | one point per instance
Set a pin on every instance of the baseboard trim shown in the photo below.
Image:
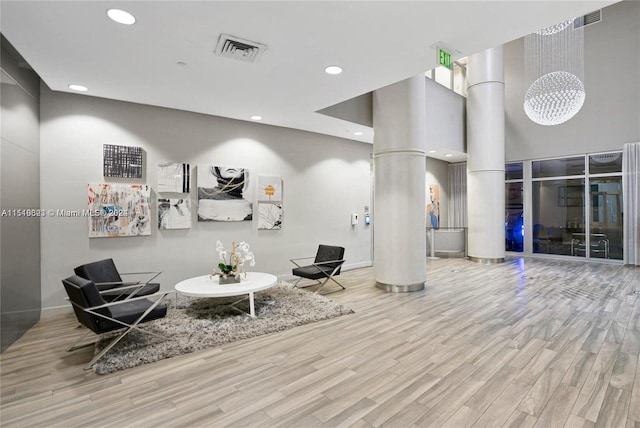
(360, 265)
(55, 312)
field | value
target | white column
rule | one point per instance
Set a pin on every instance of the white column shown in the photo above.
(485, 160)
(399, 155)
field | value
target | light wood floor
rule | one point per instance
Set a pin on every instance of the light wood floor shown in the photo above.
(531, 342)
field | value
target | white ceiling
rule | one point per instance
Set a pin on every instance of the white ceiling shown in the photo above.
(376, 42)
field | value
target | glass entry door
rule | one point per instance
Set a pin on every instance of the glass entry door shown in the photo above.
(558, 217)
(605, 229)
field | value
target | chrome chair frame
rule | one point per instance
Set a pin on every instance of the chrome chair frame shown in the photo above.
(329, 276)
(94, 311)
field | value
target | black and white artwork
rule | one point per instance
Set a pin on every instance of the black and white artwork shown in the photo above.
(173, 177)
(269, 188)
(174, 213)
(224, 194)
(270, 216)
(122, 161)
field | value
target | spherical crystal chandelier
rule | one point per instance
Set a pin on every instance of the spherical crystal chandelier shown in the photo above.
(555, 28)
(554, 67)
(554, 98)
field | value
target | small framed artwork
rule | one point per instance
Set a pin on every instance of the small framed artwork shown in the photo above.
(269, 188)
(174, 177)
(122, 161)
(174, 213)
(269, 216)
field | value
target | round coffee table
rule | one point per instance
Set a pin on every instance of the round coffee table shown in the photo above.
(207, 286)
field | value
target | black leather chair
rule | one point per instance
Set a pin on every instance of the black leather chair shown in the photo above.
(101, 317)
(109, 281)
(326, 265)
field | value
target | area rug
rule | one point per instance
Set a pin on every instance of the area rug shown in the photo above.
(195, 324)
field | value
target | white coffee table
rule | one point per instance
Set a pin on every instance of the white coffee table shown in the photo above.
(207, 286)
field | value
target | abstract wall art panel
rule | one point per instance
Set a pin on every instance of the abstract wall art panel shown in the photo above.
(122, 161)
(224, 194)
(269, 188)
(173, 177)
(270, 216)
(119, 210)
(174, 214)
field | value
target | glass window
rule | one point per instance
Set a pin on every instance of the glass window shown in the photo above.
(558, 216)
(576, 206)
(605, 163)
(558, 167)
(605, 231)
(514, 222)
(513, 171)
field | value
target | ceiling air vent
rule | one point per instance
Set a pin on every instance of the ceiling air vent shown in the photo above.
(240, 49)
(588, 19)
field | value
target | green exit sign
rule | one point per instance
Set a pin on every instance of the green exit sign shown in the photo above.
(444, 59)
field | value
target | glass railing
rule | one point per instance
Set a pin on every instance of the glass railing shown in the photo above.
(447, 242)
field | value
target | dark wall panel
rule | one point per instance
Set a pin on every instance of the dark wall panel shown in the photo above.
(20, 301)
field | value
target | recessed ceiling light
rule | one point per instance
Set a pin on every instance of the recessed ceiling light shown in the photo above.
(121, 17)
(448, 155)
(333, 69)
(432, 151)
(78, 88)
(358, 133)
(256, 117)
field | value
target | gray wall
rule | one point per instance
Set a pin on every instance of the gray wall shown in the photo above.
(19, 189)
(445, 131)
(610, 115)
(325, 180)
(445, 118)
(357, 110)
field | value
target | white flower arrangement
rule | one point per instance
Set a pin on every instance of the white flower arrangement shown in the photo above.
(232, 267)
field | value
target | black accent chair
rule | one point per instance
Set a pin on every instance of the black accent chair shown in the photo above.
(106, 277)
(326, 265)
(101, 317)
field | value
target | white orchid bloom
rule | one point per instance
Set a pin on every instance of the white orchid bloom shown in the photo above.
(240, 254)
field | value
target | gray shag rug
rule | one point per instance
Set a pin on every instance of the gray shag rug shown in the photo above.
(197, 324)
